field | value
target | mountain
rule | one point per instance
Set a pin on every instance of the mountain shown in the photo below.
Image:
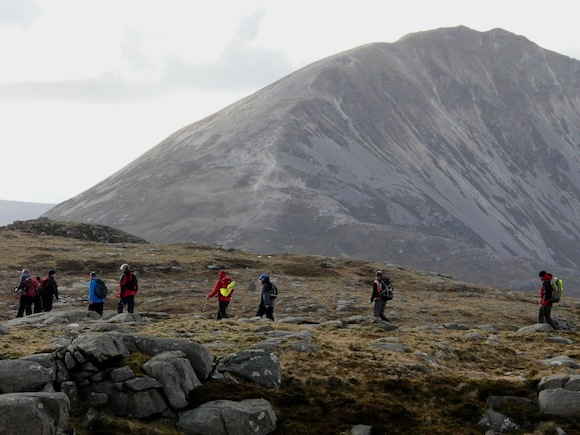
(11, 211)
(450, 150)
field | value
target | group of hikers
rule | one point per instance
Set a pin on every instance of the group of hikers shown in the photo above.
(224, 289)
(36, 294)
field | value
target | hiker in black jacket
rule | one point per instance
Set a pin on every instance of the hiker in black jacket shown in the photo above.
(48, 290)
(266, 302)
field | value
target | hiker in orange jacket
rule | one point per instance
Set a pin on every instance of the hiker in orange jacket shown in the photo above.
(223, 292)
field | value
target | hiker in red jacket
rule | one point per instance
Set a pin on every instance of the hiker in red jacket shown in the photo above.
(224, 290)
(128, 285)
(546, 300)
(26, 291)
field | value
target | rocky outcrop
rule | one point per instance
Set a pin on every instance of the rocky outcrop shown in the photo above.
(40, 390)
(83, 231)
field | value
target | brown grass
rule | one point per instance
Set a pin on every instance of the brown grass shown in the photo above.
(348, 381)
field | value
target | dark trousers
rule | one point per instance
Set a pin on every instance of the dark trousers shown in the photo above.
(97, 307)
(37, 304)
(223, 310)
(544, 316)
(379, 310)
(128, 302)
(25, 305)
(47, 303)
(269, 312)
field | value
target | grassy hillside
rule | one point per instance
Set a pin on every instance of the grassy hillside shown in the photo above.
(460, 341)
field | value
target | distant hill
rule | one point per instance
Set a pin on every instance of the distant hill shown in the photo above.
(11, 211)
(73, 230)
(451, 150)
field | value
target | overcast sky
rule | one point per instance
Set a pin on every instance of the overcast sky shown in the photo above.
(88, 86)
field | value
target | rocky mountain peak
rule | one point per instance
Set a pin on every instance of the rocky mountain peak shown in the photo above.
(450, 150)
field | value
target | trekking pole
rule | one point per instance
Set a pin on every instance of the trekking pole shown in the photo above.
(205, 303)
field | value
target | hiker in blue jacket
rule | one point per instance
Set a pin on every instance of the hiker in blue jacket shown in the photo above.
(96, 304)
(266, 302)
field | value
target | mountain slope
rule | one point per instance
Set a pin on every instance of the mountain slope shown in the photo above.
(451, 149)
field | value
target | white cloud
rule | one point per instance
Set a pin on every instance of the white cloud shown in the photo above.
(82, 80)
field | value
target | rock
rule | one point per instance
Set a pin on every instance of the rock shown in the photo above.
(538, 327)
(176, 375)
(497, 421)
(126, 318)
(304, 346)
(101, 348)
(257, 365)
(561, 340)
(121, 374)
(199, 356)
(385, 345)
(560, 402)
(573, 383)
(361, 429)
(34, 413)
(455, 326)
(498, 401)
(554, 381)
(225, 417)
(559, 361)
(141, 404)
(22, 375)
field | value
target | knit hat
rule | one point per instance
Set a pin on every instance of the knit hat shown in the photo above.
(542, 273)
(124, 267)
(222, 273)
(51, 272)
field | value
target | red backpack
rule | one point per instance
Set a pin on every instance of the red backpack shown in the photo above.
(44, 285)
(30, 286)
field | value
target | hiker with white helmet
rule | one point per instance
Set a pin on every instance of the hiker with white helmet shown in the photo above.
(128, 286)
(26, 291)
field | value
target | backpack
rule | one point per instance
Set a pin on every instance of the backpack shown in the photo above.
(557, 289)
(273, 291)
(228, 289)
(43, 287)
(386, 292)
(30, 286)
(101, 289)
(132, 282)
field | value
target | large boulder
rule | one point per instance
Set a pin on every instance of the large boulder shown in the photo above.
(22, 375)
(34, 413)
(199, 356)
(176, 374)
(560, 402)
(257, 365)
(226, 417)
(101, 348)
(137, 404)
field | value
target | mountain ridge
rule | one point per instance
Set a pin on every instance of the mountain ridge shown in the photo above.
(434, 151)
